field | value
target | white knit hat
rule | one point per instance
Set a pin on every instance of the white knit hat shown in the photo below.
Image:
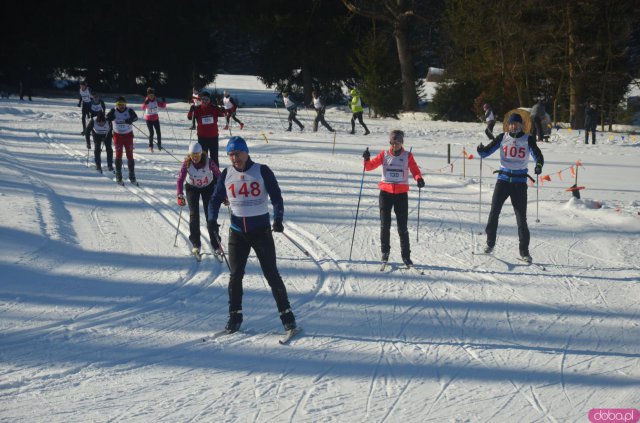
(195, 148)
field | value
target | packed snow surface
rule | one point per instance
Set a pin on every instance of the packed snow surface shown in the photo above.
(102, 318)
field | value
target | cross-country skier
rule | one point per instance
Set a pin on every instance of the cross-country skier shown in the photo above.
(319, 106)
(515, 147)
(490, 119)
(396, 164)
(200, 174)
(356, 108)
(101, 131)
(122, 118)
(249, 186)
(230, 108)
(292, 108)
(207, 116)
(194, 101)
(84, 101)
(97, 106)
(150, 108)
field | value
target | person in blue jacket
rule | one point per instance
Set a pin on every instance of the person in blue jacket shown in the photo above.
(249, 187)
(515, 147)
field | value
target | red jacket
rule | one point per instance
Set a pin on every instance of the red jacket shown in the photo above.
(207, 117)
(390, 187)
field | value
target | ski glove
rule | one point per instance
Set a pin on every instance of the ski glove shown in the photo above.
(181, 201)
(129, 121)
(538, 169)
(192, 109)
(88, 146)
(480, 148)
(420, 183)
(366, 155)
(277, 226)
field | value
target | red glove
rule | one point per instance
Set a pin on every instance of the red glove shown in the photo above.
(181, 201)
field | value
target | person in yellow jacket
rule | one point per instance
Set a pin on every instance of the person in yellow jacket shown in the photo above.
(356, 108)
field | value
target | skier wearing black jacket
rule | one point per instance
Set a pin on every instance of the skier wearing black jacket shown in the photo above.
(101, 131)
(515, 147)
(249, 186)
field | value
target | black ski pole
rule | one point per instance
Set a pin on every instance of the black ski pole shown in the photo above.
(171, 124)
(357, 209)
(298, 246)
(224, 255)
(537, 192)
(418, 225)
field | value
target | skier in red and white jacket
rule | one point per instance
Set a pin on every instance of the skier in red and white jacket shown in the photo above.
(207, 116)
(396, 164)
(150, 108)
(230, 107)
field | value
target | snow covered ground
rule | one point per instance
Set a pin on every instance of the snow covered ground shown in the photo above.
(103, 319)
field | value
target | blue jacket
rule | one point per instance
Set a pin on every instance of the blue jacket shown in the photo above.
(249, 224)
(511, 175)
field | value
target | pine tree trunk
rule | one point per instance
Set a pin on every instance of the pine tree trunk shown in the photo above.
(409, 95)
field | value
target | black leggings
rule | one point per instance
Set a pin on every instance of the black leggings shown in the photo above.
(240, 245)
(193, 200)
(357, 115)
(518, 194)
(98, 140)
(292, 118)
(400, 205)
(210, 146)
(86, 113)
(151, 124)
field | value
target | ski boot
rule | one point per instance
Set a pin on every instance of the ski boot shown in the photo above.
(407, 262)
(234, 322)
(226, 127)
(288, 320)
(241, 125)
(526, 257)
(488, 249)
(119, 171)
(132, 174)
(366, 131)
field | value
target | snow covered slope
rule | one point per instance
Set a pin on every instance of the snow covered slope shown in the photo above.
(103, 319)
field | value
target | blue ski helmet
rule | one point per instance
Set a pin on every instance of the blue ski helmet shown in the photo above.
(237, 144)
(515, 118)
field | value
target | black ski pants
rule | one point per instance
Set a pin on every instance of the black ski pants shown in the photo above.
(86, 113)
(320, 118)
(151, 125)
(193, 201)
(98, 140)
(240, 245)
(232, 115)
(518, 194)
(292, 118)
(591, 129)
(210, 146)
(358, 116)
(400, 205)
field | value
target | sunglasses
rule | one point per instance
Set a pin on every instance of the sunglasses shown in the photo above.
(396, 142)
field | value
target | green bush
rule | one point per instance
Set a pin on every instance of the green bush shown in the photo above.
(453, 100)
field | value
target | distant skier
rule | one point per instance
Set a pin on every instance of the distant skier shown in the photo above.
(207, 116)
(537, 116)
(591, 116)
(396, 164)
(292, 108)
(97, 105)
(200, 174)
(249, 186)
(230, 108)
(319, 106)
(122, 118)
(84, 101)
(194, 101)
(101, 131)
(150, 108)
(356, 108)
(490, 119)
(515, 147)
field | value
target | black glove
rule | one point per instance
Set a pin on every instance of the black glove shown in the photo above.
(192, 109)
(146, 101)
(538, 169)
(277, 226)
(366, 155)
(420, 183)
(480, 148)
(129, 121)
(164, 100)
(79, 103)
(88, 146)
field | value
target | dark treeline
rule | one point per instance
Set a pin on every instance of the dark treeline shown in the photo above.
(566, 53)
